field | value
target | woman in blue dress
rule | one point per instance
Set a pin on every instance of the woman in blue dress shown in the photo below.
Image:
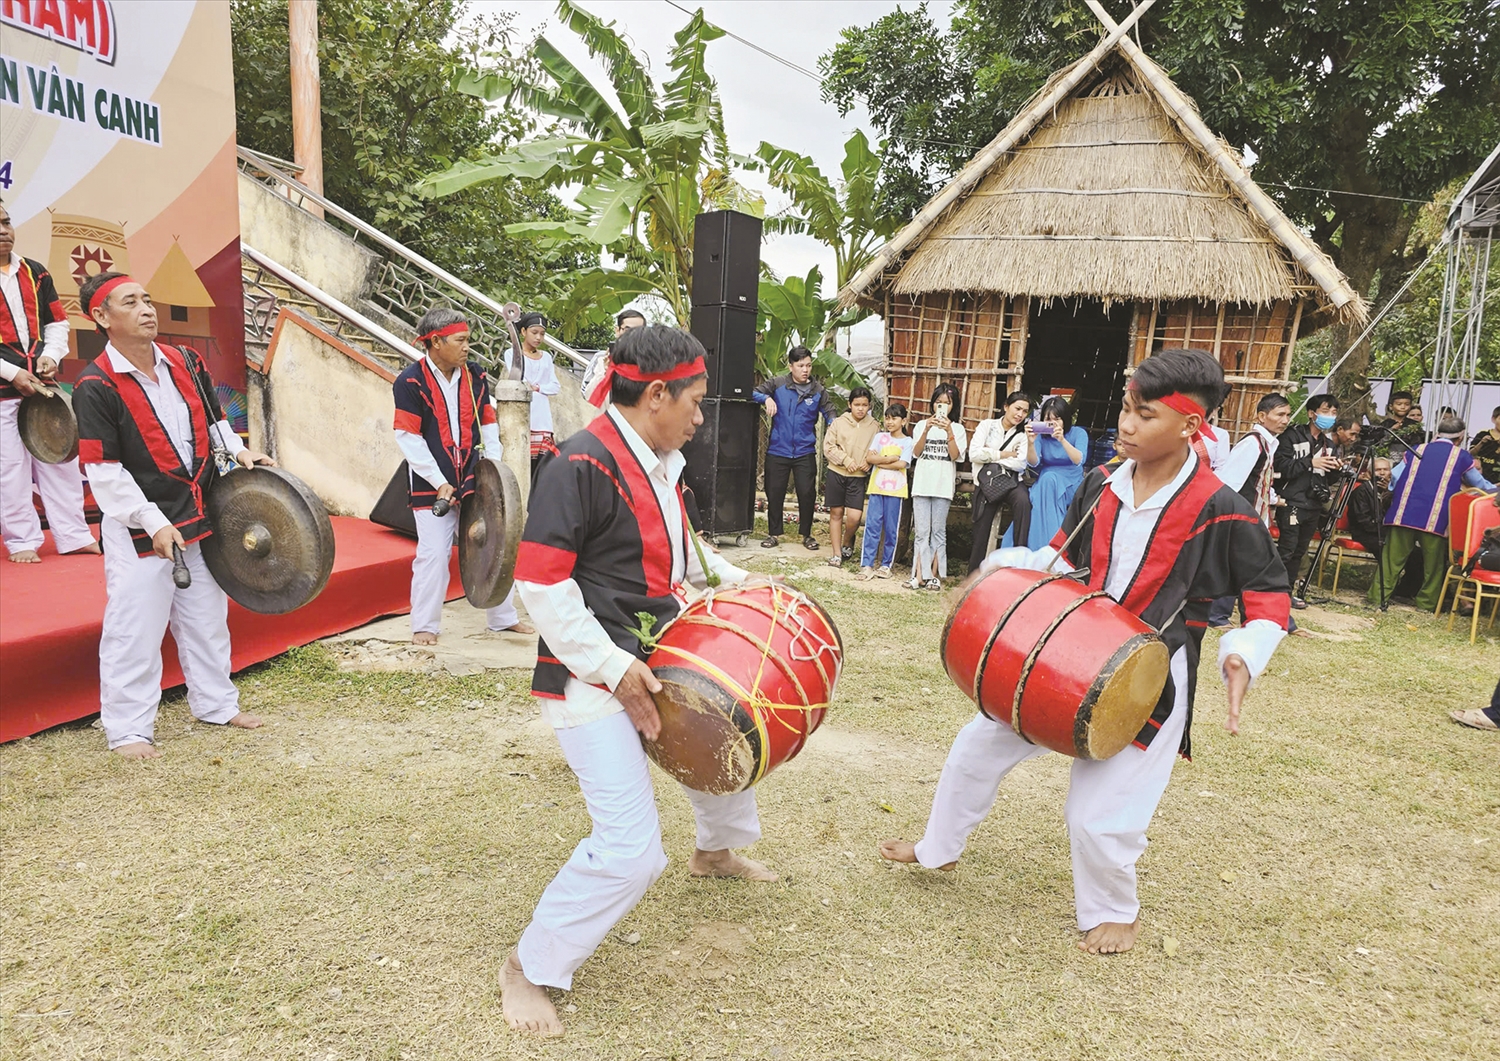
(1059, 463)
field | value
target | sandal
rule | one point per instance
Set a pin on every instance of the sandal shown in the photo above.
(866, 573)
(884, 572)
(933, 583)
(1474, 719)
(835, 561)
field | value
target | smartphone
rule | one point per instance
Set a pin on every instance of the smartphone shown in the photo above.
(1042, 429)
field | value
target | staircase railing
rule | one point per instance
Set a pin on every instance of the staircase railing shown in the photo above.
(406, 283)
(349, 325)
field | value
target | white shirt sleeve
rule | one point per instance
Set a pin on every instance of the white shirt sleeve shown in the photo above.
(727, 572)
(1254, 642)
(120, 498)
(1025, 559)
(548, 384)
(961, 440)
(420, 458)
(55, 340)
(1236, 469)
(572, 633)
(1013, 457)
(982, 452)
(230, 440)
(489, 436)
(9, 370)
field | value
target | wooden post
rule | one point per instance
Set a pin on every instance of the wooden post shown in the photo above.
(307, 96)
(1284, 370)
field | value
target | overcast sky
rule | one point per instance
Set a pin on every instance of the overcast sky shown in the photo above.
(763, 100)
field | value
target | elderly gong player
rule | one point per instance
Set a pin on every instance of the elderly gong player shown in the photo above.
(1156, 540)
(145, 415)
(601, 566)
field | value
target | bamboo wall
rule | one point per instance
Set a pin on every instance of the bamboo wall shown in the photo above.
(1253, 344)
(977, 342)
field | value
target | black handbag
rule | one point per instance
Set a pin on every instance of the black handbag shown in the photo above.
(994, 481)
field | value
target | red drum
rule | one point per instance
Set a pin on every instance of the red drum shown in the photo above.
(1064, 667)
(747, 674)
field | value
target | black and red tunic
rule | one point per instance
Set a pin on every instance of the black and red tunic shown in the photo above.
(421, 409)
(595, 519)
(42, 307)
(118, 424)
(1208, 543)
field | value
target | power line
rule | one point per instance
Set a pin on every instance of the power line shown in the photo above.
(804, 71)
(1336, 191)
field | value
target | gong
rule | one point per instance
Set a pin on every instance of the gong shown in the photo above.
(272, 545)
(48, 428)
(489, 534)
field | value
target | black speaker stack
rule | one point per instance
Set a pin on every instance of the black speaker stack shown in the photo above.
(721, 458)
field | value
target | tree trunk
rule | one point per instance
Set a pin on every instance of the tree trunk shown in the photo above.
(1373, 238)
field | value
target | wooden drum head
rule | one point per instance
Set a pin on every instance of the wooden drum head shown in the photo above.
(1122, 697)
(708, 740)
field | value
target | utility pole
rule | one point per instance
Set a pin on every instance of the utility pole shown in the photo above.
(307, 96)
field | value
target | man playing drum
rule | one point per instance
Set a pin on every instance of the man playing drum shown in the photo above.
(444, 423)
(1163, 537)
(33, 342)
(608, 555)
(145, 412)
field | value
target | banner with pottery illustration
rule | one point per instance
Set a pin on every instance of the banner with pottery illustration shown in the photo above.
(117, 152)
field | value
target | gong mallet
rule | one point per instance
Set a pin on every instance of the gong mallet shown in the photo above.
(441, 506)
(182, 578)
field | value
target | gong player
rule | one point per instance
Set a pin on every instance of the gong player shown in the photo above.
(143, 426)
(605, 562)
(1164, 537)
(33, 342)
(445, 423)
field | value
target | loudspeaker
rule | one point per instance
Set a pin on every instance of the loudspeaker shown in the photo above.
(728, 338)
(721, 466)
(726, 259)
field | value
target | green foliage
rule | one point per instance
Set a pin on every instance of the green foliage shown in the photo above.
(645, 171)
(1378, 97)
(391, 112)
(793, 312)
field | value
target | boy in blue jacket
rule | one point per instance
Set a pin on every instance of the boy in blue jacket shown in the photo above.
(793, 402)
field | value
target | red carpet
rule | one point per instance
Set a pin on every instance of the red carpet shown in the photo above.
(51, 614)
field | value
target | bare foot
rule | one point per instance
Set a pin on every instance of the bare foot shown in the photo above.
(244, 721)
(525, 1005)
(728, 863)
(424, 638)
(1303, 631)
(906, 851)
(91, 548)
(1110, 938)
(521, 627)
(25, 556)
(138, 750)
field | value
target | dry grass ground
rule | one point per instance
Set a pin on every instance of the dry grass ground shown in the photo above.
(343, 883)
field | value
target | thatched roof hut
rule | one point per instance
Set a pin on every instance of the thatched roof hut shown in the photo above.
(1103, 223)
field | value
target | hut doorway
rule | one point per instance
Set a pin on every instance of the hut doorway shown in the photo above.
(1076, 344)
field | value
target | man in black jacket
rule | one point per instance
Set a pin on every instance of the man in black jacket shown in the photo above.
(1306, 455)
(1367, 504)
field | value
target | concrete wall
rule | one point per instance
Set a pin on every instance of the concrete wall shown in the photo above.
(308, 246)
(330, 417)
(571, 411)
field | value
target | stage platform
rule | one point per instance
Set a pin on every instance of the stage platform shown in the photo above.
(51, 615)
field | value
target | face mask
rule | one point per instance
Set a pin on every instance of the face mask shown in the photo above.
(1324, 421)
(942, 409)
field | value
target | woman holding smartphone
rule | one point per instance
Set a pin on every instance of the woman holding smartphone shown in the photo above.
(938, 446)
(1057, 450)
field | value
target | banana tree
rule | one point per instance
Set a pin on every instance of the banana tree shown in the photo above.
(644, 171)
(794, 312)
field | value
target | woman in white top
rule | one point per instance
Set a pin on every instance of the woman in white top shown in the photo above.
(938, 445)
(540, 374)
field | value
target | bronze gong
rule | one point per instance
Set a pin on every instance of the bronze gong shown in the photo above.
(49, 430)
(272, 545)
(489, 534)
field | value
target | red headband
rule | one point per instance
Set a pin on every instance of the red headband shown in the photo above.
(104, 289)
(460, 328)
(687, 370)
(1187, 407)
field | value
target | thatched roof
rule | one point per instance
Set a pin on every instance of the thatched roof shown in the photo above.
(1112, 188)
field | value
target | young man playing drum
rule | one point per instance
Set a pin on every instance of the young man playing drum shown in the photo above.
(145, 412)
(612, 545)
(444, 423)
(1163, 537)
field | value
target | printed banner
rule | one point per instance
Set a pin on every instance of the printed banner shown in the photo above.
(117, 153)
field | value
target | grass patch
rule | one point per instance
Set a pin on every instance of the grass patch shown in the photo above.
(343, 883)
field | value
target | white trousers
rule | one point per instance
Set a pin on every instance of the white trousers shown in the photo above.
(61, 487)
(1110, 803)
(141, 601)
(436, 537)
(612, 867)
(929, 535)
